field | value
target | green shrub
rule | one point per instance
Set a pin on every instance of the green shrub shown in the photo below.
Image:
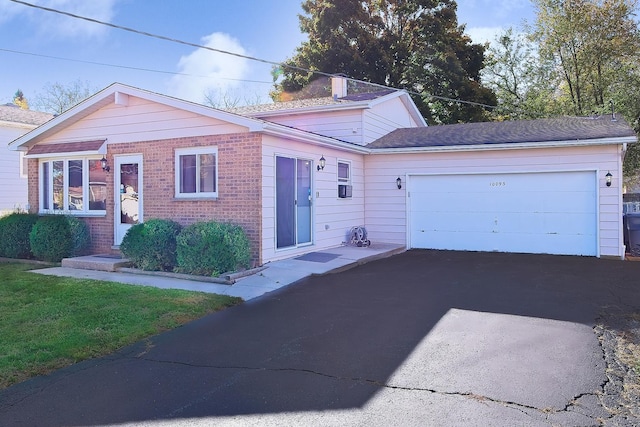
(51, 238)
(14, 235)
(212, 248)
(80, 236)
(151, 245)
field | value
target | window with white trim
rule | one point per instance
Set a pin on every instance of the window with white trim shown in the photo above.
(73, 186)
(196, 172)
(344, 179)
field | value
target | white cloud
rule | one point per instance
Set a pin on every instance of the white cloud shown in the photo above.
(483, 35)
(210, 71)
(8, 10)
(55, 25)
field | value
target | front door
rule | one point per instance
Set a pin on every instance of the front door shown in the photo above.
(128, 194)
(293, 202)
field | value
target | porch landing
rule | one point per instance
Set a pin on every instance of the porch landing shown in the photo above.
(100, 262)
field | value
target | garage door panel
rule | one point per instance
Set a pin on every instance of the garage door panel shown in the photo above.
(456, 222)
(528, 212)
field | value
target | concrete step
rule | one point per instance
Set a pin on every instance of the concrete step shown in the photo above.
(101, 262)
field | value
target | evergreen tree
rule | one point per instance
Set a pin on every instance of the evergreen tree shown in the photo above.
(411, 44)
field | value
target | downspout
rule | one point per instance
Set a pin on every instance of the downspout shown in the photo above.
(623, 152)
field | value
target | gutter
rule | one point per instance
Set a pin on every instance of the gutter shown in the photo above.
(509, 146)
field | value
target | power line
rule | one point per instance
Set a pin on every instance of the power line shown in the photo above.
(251, 58)
(157, 36)
(125, 66)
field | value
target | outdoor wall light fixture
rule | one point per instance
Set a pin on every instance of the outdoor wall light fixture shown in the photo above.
(608, 177)
(399, 183)
(323, 162)
(105, 166)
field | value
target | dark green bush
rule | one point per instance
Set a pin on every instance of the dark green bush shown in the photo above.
(212, 248)
(14, 235)
(80, 236)
(51, 238)
(151, 245)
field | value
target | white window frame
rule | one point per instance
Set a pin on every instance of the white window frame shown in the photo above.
(344, 181)
(65, 197)
(189, 152)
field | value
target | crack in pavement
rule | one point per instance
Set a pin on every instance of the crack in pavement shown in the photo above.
(610, 327)
(469, 395)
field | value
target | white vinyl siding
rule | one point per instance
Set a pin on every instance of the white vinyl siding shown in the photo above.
(142, 120)
(384, 118)
(13, 181)
(386, 206)
(342, 125)
(331, 217)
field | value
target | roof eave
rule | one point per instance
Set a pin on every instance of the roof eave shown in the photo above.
(19, 125)
(324, 141)
(507, 146)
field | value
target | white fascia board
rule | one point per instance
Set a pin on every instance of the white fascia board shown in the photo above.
(63, 155)
(302, 136)
(509, 146)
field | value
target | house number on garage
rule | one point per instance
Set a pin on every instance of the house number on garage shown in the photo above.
(498, 184)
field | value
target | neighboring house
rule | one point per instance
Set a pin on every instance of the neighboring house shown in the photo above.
(15, 122)
(528, 186)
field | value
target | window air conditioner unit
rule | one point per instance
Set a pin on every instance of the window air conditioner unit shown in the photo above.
(344, 191)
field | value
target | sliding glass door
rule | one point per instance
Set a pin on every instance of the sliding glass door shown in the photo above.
(293, 202)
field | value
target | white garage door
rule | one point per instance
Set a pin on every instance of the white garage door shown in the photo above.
(551, 213)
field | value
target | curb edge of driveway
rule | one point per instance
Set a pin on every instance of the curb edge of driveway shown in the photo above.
(362, 261)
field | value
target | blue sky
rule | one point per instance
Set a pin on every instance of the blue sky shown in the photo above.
(266, 29)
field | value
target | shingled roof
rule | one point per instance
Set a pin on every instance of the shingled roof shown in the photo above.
(511, 132)
(307, 103)
(14, 114)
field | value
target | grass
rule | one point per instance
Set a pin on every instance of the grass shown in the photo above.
(49, 322)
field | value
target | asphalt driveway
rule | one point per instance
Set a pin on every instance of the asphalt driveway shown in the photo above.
(421, 338)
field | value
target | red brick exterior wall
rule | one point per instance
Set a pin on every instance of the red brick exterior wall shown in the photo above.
(239, 186)
(32, 185)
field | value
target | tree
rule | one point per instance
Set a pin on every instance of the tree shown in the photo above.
(20, 100)
(415, 45)
(57, 98)
(229, 99)
(590, 41)
(524, 83)
(580, 58)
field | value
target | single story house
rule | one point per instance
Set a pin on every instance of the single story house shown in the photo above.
(14, 122)
(298, 175)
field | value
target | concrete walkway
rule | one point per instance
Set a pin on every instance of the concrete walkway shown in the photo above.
(276, 275)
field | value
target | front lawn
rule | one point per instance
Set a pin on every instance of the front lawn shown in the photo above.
(49, 322)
